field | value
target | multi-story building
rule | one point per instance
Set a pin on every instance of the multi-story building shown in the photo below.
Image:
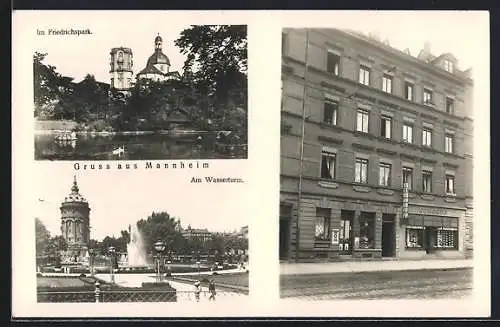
(202, 235)
(361, 120)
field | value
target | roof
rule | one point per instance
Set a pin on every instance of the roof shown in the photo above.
(126, 50)
(150, 69)
(158, 57)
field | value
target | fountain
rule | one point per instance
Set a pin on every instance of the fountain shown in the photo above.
(136, 257)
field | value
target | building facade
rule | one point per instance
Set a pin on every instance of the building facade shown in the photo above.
(202, 235)
(360, 120)
(75, 224)
(121, 68)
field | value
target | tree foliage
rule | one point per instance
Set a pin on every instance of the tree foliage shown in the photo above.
(48, 248)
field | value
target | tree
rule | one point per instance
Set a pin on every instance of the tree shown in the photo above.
(42, 237)
(160, 226)
(219, 54)
(48, 86)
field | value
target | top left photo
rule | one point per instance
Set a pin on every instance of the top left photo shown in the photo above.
(140, 92)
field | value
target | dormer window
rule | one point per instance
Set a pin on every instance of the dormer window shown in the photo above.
(448, 65)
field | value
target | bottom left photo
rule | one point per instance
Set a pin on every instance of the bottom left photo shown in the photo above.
(103, 241)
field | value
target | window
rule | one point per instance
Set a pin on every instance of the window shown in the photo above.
(385, 127)
(361, 170)
(332, 63)
(450, 184)
(426, 137)
(408, 176)
(387, 83)
(450, 105)
(327, 164)
(384, 174)
(448, 143)
(409, 91)
(407, 133)
(364, 75)
(362, 121)
(414, 237)
(367, 230)
(427, 96)
(447, 238)
(322, 224)
(120, 56)
(331, 110)
(427, 181)
(448, 66)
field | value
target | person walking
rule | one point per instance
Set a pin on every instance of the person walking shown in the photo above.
(211, 289)
(197, 290)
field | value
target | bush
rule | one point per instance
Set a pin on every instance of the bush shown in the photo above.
(83, 275)
(215, 273)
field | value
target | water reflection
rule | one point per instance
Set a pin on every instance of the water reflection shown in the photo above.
(135, 147)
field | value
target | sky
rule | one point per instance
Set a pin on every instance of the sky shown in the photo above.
(78, 56)
(119, 198)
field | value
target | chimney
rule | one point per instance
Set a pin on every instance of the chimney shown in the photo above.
(427, 47)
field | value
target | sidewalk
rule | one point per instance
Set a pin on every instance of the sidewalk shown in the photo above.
(372, 266)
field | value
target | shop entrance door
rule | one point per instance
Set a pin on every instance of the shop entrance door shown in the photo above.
(430, 238)
(387, 237)
(284, 238)
(345, 237)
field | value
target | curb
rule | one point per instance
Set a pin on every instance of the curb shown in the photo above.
(240, 289)
(378, 271)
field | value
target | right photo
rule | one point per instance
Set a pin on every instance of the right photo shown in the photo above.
(376, 181)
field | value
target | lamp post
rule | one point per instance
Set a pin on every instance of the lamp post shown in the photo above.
(91, 261)
(159, 247)
(111, 251)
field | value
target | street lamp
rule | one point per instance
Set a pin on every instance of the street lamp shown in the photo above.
(159, 247)
(91, 261)
(111, 251)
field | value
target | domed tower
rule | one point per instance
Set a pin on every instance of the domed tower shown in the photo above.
(158, 65)
(75, 222)
(121, 68)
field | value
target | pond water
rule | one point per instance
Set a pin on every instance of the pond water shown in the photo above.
(136, 147)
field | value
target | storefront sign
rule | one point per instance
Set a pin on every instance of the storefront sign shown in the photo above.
(428, 211)
(335, 236)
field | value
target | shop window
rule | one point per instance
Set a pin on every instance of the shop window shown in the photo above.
(447, 238)
(361, 171)
(408, 176)
(331, 108)
(414, 237)
(384, 174)
(322, 224)
(367, 230)
(327, 164)
(332, 63)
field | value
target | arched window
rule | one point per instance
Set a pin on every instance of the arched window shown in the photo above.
(120, 56)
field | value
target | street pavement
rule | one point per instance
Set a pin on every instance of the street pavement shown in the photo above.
(184, 290)
(413, 284)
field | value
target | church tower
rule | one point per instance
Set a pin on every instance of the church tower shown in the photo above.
(121, 68)
(75, 222)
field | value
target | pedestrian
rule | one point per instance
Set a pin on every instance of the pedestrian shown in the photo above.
(197, 290)
(211, 289)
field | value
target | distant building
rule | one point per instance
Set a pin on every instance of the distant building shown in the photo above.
(158, 65)
(75, 224)
(201, 234)
(243, 232)
(121, 68)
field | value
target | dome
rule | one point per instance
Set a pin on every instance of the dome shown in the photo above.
(75, 196)
(158, 58)
(158, 39)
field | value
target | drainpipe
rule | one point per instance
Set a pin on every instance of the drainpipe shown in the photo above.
(299, 206)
